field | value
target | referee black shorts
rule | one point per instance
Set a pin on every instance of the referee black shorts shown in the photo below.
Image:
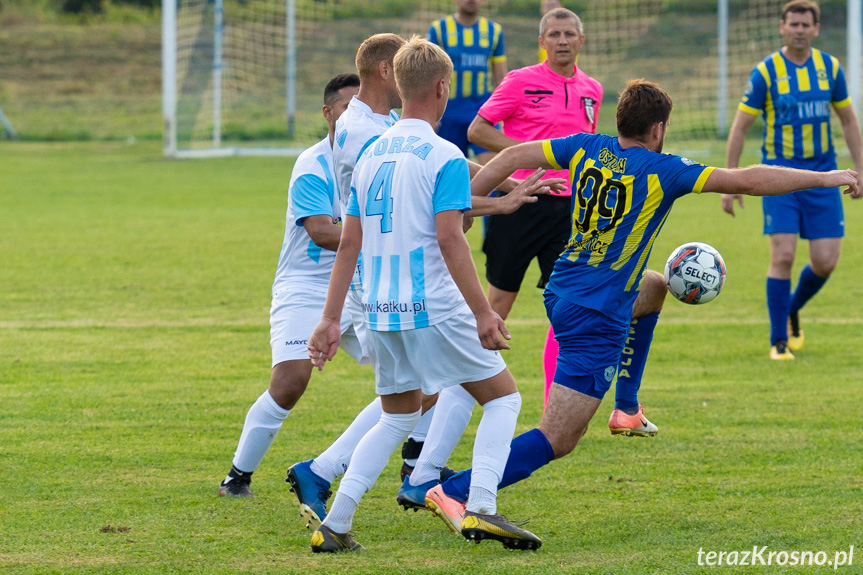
(539, 230)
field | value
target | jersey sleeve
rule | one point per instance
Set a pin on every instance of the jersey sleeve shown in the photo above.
(683, 175)
(504, 101)
(310, 196)
(452, 187)
(560, 151)
(434, 34)
(755, 94)
(353, 204)
(499, 52)
(840, 97)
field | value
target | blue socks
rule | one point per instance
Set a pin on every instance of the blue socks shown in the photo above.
(633, 359)
(780, 302)
(778, 308)
(807, 286)
(528, 452)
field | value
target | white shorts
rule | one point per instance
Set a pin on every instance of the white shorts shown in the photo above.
(431, 358)
(294, 313)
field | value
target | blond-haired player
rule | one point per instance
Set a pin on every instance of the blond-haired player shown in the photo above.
(409, 191)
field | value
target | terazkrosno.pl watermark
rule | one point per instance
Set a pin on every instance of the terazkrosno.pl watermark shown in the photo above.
(765, 556)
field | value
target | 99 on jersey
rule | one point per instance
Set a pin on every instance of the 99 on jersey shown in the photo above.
(600, 202)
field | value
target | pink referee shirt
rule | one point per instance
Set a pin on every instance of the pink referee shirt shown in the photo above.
(535, 103)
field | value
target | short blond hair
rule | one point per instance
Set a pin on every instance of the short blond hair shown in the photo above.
(419, 65)
(376, 49)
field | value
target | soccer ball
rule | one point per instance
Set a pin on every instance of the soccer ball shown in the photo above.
(695, 273)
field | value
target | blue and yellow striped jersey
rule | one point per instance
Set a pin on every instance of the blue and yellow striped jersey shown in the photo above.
(621, 197)
(795, 104)
(472, 49)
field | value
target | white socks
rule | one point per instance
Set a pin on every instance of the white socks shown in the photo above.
(491, 450)
(369, 460)
(454, 407)
(334, 461)
(263, 422)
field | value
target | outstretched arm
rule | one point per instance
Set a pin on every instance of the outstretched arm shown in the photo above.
(528, 155)
(736, 139)
(525, 193)
(763, 180)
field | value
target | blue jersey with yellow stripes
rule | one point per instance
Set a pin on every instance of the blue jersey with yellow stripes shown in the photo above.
(621, 197)
(795, 104)
(473, 50)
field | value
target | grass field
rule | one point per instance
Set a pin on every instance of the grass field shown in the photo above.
(134, 337)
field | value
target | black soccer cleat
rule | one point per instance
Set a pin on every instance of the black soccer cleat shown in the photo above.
(236, 484)
(325, 540)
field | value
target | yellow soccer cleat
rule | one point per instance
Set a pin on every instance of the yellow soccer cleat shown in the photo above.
(780, 351)
(476, 527)
(795, 334)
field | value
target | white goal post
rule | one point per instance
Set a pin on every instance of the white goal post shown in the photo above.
(208, 83)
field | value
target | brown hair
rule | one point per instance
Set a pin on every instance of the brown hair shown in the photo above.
(376, 49)
(801, 7)
(641, 105)
(418, 65)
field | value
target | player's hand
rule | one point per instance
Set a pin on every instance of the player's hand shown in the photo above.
(728, 202)
(848, 179)
(490, 327)
(528, 190)
(509, 185)
(466, 223)
(324, 342)
(859, 193)
(556, 185)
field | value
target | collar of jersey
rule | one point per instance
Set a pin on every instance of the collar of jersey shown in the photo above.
(549, 72)
(367, 110)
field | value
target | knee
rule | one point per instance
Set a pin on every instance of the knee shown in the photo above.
(651, 297)
(781, 258)
(564, 443)
(823, 267)
(286, 388)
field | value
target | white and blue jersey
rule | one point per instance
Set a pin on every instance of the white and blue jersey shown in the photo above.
(402, 180)
(355, 129)
(312, 192)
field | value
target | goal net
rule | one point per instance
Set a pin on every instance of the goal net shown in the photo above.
(247, 76)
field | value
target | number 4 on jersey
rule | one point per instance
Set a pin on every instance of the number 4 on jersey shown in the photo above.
(379, 201)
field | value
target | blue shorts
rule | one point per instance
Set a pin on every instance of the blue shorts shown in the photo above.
(590, 346)
(811, 214)
(453, 128)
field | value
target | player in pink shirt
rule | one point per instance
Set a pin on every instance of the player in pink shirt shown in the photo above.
(550, 100)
